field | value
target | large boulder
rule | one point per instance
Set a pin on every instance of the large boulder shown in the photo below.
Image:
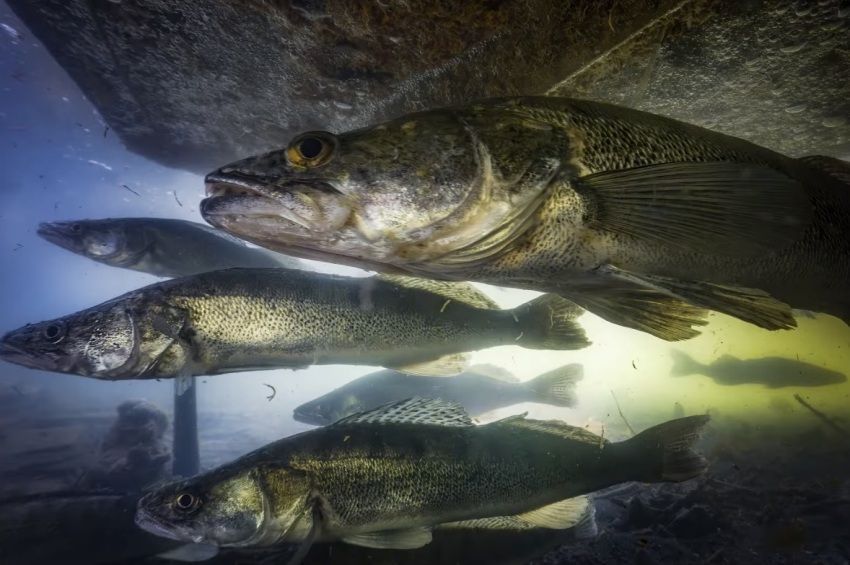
(197, 83)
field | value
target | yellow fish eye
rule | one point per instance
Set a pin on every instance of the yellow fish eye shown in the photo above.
(311, 149)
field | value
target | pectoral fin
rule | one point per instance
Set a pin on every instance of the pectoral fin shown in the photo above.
(716, 208)
(392, 539)
(637, 306)
(747, 304)
(190, 553)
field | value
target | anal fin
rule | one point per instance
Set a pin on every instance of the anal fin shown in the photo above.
(563, 514)
(411, 538)
(747, 304)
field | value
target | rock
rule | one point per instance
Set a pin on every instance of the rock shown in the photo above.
(133, 452)
(198, 83)
(181, 83)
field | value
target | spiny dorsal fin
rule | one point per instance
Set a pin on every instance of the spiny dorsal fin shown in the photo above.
(494, 372)
(460, 291)
(424, 411)
(554, 427)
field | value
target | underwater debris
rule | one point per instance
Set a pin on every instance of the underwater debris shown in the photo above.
(823, 417)
(176, 199)
(131, 190)
(273, 394)
(620, 411)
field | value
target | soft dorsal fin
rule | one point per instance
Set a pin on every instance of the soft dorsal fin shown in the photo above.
(452, 290)
(494, 372)
(554, 427)
(445, 366)
(425, 411)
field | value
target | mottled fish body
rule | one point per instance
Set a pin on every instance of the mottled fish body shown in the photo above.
(385, 478)
(641, 219)
(480, 389)
(249, 319)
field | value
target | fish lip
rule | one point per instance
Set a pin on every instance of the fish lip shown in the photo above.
(17, 355)
(150, 524)
(56, 234)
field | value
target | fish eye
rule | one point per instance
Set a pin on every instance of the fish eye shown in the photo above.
(186, 502)
(53, 333)
(311, 149)
(76, 228)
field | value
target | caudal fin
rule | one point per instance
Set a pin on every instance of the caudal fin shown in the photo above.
(665, 452)
(557, 387)
(548, 322)
(683, 364)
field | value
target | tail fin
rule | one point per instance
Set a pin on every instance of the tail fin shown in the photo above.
(557, 387)
(548, 322)
(683, 364)
(667, 450)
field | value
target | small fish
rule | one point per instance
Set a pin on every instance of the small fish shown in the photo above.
(772, 372)
(407, 468)
(480, 389)
(252, 319)
(158, 246)
(641, 219)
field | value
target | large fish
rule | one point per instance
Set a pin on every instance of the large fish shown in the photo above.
(385, 478)
(250, 319)
(643, 220)
(158, 246)
(772, 372)
(480, 389)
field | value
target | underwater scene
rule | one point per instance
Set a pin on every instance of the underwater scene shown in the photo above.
(424, 282)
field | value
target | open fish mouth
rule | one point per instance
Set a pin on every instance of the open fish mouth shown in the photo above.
(147, 522)
(311, 205)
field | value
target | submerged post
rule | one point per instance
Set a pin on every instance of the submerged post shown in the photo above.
(186, 456)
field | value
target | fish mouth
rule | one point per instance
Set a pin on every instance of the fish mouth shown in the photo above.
(274, 208)
(57, 233)
(12, 353)
(150, 524)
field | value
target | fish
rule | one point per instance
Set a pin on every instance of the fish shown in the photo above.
(159, 246)
(480, 389)
(643, 220)
(252, 319)
(385, 478)
(772, 372)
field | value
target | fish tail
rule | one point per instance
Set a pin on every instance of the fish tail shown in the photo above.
(557, 387)
(683, 364)
(548, 322)
(665, 452)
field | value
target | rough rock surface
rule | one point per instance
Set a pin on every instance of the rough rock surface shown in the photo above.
(197, 83)
(774, 72)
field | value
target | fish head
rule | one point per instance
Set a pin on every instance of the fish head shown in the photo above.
(110, 241)
(92, 342)
(226, 507)
(328, 409)
(110, 341)
(406, 192)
